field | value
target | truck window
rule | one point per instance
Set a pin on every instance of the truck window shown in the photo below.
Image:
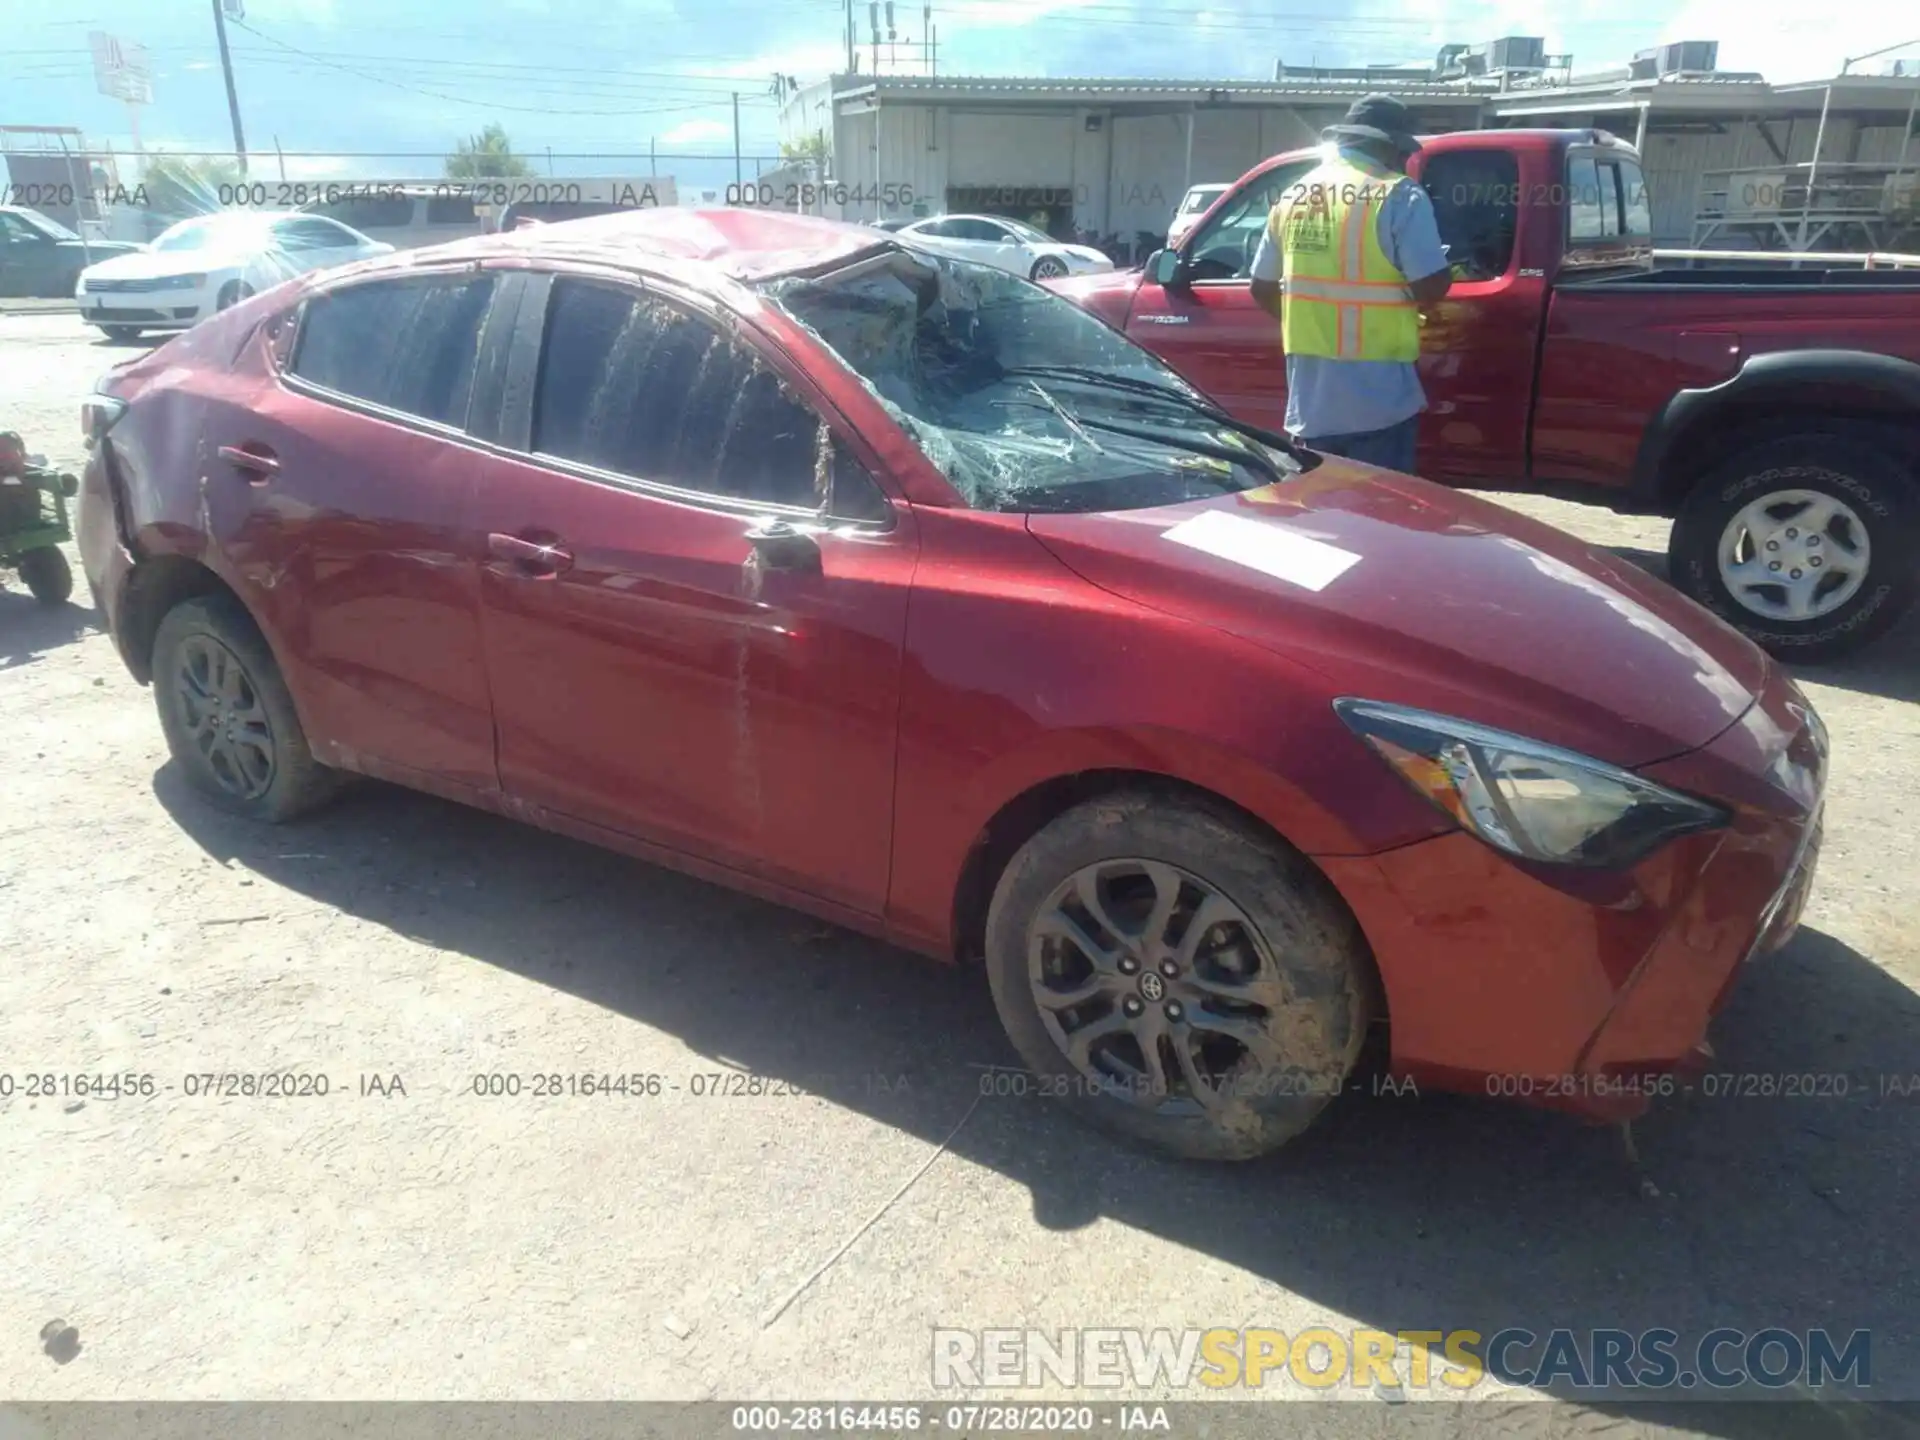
(1223, 249)
(1476, 202)
(1591, 213)
(1633, 196)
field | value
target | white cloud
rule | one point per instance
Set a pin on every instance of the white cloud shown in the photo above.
(693, 132)
(1006, 12)
(803, 61)
(1785, 41)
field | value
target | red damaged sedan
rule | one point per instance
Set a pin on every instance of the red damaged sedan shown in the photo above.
(900, 590)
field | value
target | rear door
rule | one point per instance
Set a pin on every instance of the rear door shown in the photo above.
(656, 671)
(1208, 327)
(336, 474)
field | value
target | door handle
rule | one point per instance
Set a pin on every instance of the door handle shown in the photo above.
(528, 559)
(782, 545)
(258, 465)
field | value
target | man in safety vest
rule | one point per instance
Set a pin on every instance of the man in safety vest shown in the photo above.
(1349, 258)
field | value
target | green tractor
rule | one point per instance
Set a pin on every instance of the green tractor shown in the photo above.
(33, 520)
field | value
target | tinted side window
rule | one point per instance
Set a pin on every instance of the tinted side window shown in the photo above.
(1592, 213)
(408, 345)
(979, 230)
(1223, 249)
(312, 234)
(370, 212)
(451, 210)
(1633, 196)
(632, 384)
(1476, 204)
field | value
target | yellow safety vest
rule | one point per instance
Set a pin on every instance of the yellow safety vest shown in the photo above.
(1343, 298)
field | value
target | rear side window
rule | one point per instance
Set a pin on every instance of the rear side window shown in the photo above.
(632, 384)
(1476, 203)
(452, 210)
(406, 345)
(1606, 200)
(370, 212)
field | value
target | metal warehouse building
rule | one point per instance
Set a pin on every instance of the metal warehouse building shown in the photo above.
(1730, 158)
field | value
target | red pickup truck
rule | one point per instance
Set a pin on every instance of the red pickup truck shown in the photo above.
(1774, 412)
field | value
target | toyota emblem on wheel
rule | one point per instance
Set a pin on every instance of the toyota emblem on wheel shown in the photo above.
(1152, 987)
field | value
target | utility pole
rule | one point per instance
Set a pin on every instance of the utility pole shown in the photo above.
(736, 139)
(853, 62)
(233, 98)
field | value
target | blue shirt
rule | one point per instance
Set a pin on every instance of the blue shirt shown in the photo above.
(1350, 397)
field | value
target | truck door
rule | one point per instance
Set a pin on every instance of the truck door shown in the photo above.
(1478, 347)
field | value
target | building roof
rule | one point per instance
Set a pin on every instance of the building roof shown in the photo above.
(1105, 91)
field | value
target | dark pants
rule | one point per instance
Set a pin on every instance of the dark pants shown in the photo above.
(1390, 449)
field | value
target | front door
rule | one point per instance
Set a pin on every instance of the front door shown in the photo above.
(655, 669)
(1207, 327)
(336, 485)
(1478, 345)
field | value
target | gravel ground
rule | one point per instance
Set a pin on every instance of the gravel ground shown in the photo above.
(402, 1237)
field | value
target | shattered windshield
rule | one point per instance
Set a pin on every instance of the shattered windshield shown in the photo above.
(1024, 401)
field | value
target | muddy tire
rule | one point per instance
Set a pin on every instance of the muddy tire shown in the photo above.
(1804, 543)
(47, 575)
(228, 716)
(1177, 976)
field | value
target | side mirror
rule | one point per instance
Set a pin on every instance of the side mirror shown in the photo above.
(1166, 268)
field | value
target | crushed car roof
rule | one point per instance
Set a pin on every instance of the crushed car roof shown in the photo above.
(745, 245)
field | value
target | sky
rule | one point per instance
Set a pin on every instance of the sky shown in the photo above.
(384, 87)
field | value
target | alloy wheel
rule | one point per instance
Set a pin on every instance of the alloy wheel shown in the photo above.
(1047, 267)
(224, 717)
(1157, 987)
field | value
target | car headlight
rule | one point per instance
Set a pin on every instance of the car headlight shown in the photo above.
(182, 282)
(1531, 800)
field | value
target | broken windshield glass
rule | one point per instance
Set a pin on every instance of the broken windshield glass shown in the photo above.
(1024, 401)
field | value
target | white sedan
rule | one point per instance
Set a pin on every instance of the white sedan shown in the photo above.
(1004, 244)
(210, 262)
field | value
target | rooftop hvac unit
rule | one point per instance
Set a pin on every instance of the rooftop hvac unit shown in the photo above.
(1645, 65)
(1517, 52)
(1689, 55)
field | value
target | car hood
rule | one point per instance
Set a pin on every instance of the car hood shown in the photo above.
(1395, 589)
(101, 247)
(154, 264)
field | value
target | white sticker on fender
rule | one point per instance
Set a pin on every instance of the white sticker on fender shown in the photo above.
(1266, 547)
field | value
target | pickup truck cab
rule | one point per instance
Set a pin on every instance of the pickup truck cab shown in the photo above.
(1774, 413)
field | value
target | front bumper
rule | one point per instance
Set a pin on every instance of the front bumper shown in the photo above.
(149, 309)
(104, 558)
(1565, 987)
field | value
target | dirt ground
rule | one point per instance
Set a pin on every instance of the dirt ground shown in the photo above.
(410, 1238)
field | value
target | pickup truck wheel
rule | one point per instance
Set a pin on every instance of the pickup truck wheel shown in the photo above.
(1804, 543)
(1177, 976)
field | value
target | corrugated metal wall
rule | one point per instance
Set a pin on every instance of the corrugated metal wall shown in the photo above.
(1129, 173)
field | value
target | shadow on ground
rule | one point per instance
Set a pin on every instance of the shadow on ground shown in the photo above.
(29, 629)
(1889, 667)
(1437, 1212)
